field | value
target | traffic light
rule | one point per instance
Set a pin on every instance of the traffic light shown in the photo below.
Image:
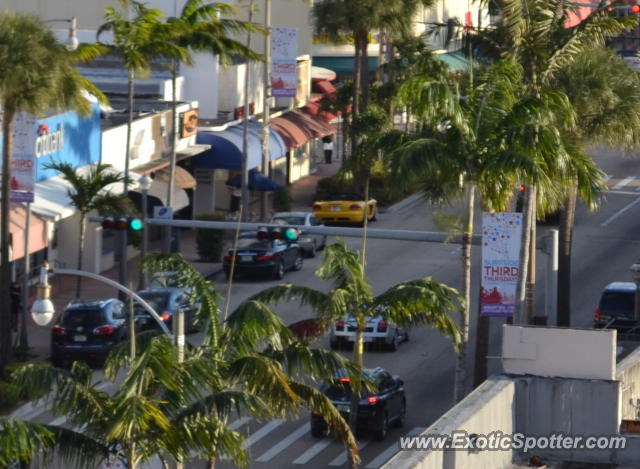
(122, 223)
(289, 234)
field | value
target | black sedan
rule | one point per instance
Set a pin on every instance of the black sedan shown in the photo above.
(271, 256)
(376, 410)
(88, 331)
(167, 302)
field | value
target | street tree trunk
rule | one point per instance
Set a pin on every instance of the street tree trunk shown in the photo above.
(459, 390)
(355, 108)
(358, 355)
(567, 221)
(83, 229)
(524, 256)
(6, 352)
(364, 68)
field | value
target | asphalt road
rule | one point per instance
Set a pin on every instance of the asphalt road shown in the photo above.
(606, 243)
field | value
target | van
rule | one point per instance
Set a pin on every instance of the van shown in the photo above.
(616, 308)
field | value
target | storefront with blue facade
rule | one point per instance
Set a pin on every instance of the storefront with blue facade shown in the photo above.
(69, 138)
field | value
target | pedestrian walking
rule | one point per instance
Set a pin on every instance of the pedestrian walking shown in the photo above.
(16, 304)
(327, 146)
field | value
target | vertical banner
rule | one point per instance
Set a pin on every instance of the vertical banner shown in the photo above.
(501, 239)
(23, 159)
(284, 52)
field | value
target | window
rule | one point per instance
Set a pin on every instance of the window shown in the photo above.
(118, 312)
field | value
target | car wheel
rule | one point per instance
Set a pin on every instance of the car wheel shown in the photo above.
(298, 263)
(318, 432)
(375, 215)
(334, 344)
(393, 346)
(403, 412)
(381, 431)
(279, 273)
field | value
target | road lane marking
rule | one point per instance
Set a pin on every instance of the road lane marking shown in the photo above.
(261, 433)
(313, 451)
(620, 212)
(342, 458)
(238, 423)
(277, 449)
(623, 183)
(391, 450)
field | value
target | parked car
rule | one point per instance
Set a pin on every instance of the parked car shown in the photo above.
(616, 308)
(166, 302)
(265, 256)
(378, 331)
(376, 410)
(309, 243)
(345, 207)
(88, 331)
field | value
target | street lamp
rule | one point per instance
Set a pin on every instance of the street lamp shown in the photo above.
(635, 273)
(42, 310)
(72, 41)
(144, 183)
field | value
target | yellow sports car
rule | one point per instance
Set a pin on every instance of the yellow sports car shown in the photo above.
(345, 207)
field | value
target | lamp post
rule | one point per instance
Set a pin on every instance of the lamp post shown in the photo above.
(635, 273)
(144, 183)
(72, 41)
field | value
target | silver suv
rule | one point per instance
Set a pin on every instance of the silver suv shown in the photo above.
(377, 331)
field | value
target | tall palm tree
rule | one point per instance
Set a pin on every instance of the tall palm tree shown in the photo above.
(200, 27)
(133, 41)
(418, 302)
(338, 20)
(87, 194)
(533, 33)
(251, 363)
(37, 74)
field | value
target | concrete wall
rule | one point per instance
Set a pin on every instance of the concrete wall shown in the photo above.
(488, 408)
(628, 373)
(550, 351)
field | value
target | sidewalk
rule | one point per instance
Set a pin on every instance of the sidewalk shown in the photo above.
(63, 286)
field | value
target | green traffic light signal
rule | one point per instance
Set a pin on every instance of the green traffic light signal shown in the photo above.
(135, 224)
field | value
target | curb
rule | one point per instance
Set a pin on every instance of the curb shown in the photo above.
(405, 202)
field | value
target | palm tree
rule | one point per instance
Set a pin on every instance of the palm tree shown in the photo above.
(133, 42)
(203, 28)
(87, 194)
(533, 34)
(419, 302)
(605, 92)
(251, 363)
(37, 75)
(338, 20)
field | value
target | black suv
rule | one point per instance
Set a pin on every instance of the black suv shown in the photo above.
(616, 308)
(88, 330)
(376, 410)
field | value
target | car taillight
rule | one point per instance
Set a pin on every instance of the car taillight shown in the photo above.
(339, 324)
(165, 316)
(104, 330)
(317, 206)
(58, 330)
(344, 380)
(382, 326)
(597, 314)
(266, 257)
(227, 257)
(372, 400)
(355, 207)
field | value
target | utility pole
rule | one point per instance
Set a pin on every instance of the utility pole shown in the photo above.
(266, 116)
(244, 184)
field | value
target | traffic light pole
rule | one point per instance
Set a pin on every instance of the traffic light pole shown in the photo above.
(404, 235)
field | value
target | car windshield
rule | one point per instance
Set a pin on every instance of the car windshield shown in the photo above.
(338, 391)
(164, 280)
(83, 317)
(345, 196)
(157, 300)
(253, 243)
(618, 304)
(298, 221)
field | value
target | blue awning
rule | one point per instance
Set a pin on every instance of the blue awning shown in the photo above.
(226, 147)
